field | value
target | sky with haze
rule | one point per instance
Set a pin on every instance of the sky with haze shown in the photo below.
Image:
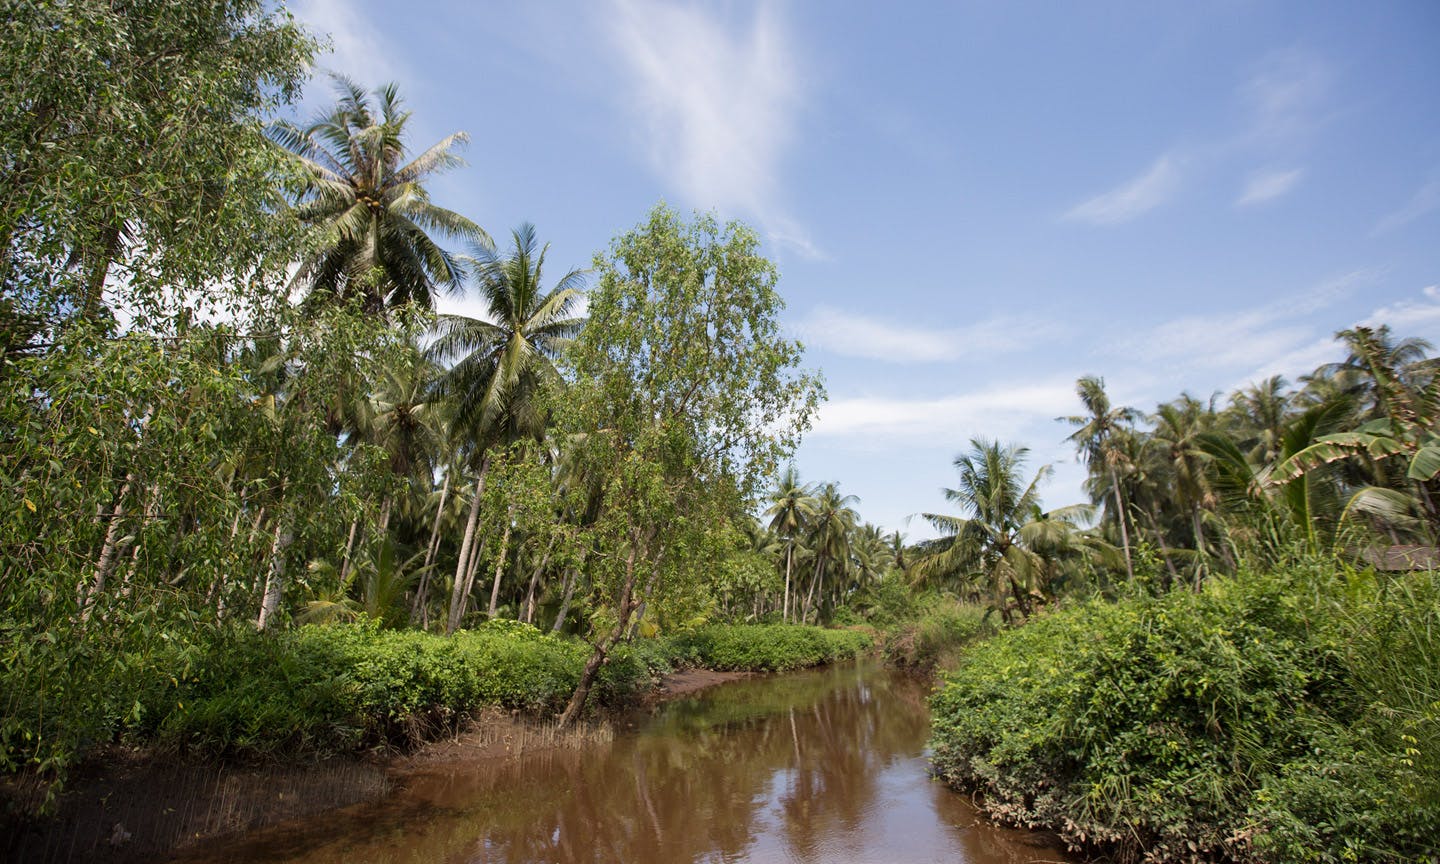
(971, 204)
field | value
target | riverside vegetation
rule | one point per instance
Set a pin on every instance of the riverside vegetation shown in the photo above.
(261, 500)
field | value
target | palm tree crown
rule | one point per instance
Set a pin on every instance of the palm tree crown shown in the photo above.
(373, 218)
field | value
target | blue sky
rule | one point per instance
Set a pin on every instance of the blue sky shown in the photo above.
(971, 204)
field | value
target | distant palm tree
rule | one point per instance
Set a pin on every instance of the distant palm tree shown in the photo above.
(1095, 437)
(792, 505)
(500, 364)
(1002, 540)
(372, 216)
(829, 535)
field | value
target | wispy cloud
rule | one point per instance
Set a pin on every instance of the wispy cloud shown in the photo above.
(1004, 412)
(1285, 96)
(1242, 339)
(357, 48)
(1132, 198)
(1266, 186)
(872, 338)
(1424, 202)
(1407, 315)
(718, 100)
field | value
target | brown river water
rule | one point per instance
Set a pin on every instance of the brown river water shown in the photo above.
(814, 767)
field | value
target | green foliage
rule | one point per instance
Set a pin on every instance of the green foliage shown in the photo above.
(341, 687)
(769, 647)
(943, 628)
(1272, 717)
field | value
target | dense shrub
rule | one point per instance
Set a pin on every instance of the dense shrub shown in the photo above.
(768, 647)
(332, 688)
(937, 636)
(1287, 717)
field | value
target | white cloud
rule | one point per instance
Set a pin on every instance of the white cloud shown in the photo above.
(1131, 199)
(718, 104)
(1002, 412)
(357, 48)
(1285, 96)
(1425, 200)
(1266, 186)
(871, 338)
(1407, 315)
(1245, 338)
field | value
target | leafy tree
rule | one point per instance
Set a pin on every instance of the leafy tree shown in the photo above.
(688, 396)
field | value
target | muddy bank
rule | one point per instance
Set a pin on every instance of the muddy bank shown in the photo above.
(131, 806)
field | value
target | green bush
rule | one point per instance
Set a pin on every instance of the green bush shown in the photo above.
(1284, 717)
(768, 647)
(942, 631)
(339, 687)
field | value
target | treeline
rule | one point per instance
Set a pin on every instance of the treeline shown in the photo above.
(228, 401)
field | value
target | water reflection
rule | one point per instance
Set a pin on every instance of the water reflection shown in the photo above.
(813, 767)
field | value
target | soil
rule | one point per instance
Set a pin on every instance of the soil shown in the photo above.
(130, 806)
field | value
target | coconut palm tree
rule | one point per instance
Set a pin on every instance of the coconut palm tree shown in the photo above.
(500, 364)
(1002, 538)
(792, 505)
(374, 224)
(829, 537)
(1094, 437)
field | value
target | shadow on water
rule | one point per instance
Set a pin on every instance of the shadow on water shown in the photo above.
(822, 766)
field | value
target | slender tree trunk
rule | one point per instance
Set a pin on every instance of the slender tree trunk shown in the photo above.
(572, 578)
(457, 601)
(1124, 531)
(349, 548)
(107, 248)
(535, 581)
(385, 506)
(602, 648)
(500, 560)
(789, 557)
(1160, 544)
(275, 581)
(107, 550)
(435, 526)
(810, 595)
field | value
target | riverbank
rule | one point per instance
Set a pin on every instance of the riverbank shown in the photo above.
(167, 790)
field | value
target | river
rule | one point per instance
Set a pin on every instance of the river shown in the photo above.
(821, 766)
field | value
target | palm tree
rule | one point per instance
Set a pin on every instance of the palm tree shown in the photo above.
(1094, 438)
(373, 219)
(829, 536)
(500, 364)
(1003, 535)
(792, 505)
(1178, 427)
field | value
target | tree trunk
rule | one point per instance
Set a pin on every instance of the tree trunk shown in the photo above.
(535, 581)
(349, 548)
(435, 526)
(789, 557)
(107, 248)
(1124, 532)
(1160, 547)
(602, 648)
(810, 595)
(107, 550)
(500, 560)
(275, 581)
(457, 601)
(572, 577)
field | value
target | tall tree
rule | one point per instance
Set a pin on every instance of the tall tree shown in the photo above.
(500, 364)
(690, 395)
